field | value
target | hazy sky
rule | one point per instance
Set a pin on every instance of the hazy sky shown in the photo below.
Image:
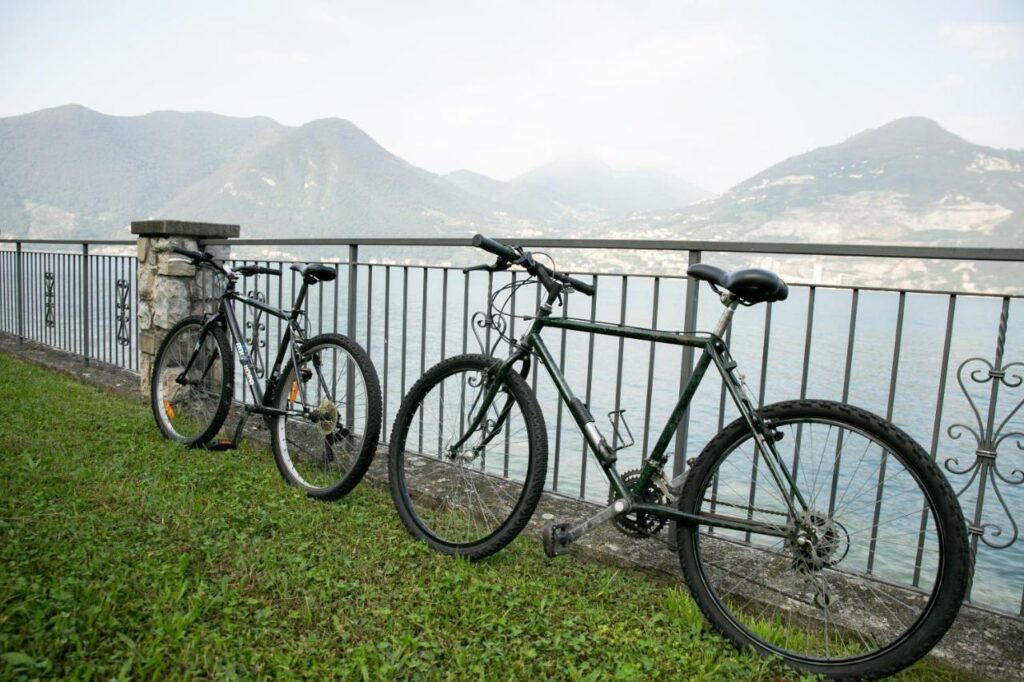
(712, 91)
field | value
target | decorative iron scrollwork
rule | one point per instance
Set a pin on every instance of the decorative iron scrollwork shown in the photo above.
(49, 300)
(989, 433)
(123, 313)
(488, 322)
(256, 340)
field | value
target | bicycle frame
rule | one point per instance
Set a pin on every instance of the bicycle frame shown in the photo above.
(714, 350)
(226, 318)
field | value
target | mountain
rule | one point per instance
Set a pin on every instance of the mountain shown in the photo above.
(590, 183)
(70, 172)
(540, 204)
(328, 178)
(909, 181)
(73, 172)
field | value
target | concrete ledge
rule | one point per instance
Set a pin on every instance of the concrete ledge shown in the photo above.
(982, 644)
(183, 228)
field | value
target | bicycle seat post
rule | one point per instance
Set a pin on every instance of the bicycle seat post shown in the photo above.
(730, 302)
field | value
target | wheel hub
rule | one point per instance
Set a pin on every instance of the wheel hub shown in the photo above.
(325, 417)
(817, 541)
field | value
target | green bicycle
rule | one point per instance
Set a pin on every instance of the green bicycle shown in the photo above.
(807, 529)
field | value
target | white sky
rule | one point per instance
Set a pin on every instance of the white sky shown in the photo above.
(711, 91)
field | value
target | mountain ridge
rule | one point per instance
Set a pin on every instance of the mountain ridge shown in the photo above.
(72, 172)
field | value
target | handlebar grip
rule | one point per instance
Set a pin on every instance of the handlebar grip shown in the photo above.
(582, 287)
(267, 271)
(495, 247)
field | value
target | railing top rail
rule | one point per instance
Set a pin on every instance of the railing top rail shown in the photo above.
(105, 242)
(847, 250)
(776, 248)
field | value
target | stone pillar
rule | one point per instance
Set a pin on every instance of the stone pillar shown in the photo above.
(168, 290)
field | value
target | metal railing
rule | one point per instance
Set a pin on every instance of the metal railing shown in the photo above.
(76, 296)
(905, 353)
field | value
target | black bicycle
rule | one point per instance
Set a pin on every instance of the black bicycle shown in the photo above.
(323, 407)
(807, 529)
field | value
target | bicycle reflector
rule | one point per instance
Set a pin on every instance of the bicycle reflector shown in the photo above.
(168, 409)
(295, 392)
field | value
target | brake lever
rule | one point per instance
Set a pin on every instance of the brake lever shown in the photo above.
(499, 265)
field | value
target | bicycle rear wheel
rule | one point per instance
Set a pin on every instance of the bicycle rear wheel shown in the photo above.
(868, 577)
(190, 408)
(475, 499)
(327, 451)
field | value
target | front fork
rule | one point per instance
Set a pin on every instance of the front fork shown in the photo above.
(494, 383)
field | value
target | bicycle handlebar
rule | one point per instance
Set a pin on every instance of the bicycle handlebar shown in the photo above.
(194, 255)
(511, 256)
(247, 270)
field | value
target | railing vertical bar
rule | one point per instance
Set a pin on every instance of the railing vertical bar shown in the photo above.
(115, 345)
(762, 387)
(351, 316)
(536, 306)
(387, 339)
(650, 368)
(511, 335)
(558, 408)
(423, 339)
(721, 425)
(405, 315)
(976, 529)
(60, 326)
(686, 369)
(465, 343)
(590, 383)
(108, 307)
(121, 346)
(487, 310)
(251, 351)
(65, 294)
(300, 322)
(84, 316)
(465, 312)
(444, 340)
(888, 415)
(67, 331)
(936, 429)
(266, 335)
(851, 339)
(369, 309)
(623, 298)
(46, 336)
(20, 288)
(280, 301)
(808, 335)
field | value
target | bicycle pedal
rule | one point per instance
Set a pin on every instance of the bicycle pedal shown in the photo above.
(221, 445)
(556, 539)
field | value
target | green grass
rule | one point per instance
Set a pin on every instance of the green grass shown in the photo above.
(124, 555)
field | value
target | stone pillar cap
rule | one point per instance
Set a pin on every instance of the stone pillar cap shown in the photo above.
(183, 228)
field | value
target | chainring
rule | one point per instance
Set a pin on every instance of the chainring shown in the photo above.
(639, 524)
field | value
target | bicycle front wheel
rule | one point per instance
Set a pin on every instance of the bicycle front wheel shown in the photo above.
(326, 442)
(872, 567)
(472, 498)
(190, 406)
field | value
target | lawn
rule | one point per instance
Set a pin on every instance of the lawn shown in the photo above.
(124, 555)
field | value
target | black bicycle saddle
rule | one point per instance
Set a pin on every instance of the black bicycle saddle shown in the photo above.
(315, 272)
(751, 285)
